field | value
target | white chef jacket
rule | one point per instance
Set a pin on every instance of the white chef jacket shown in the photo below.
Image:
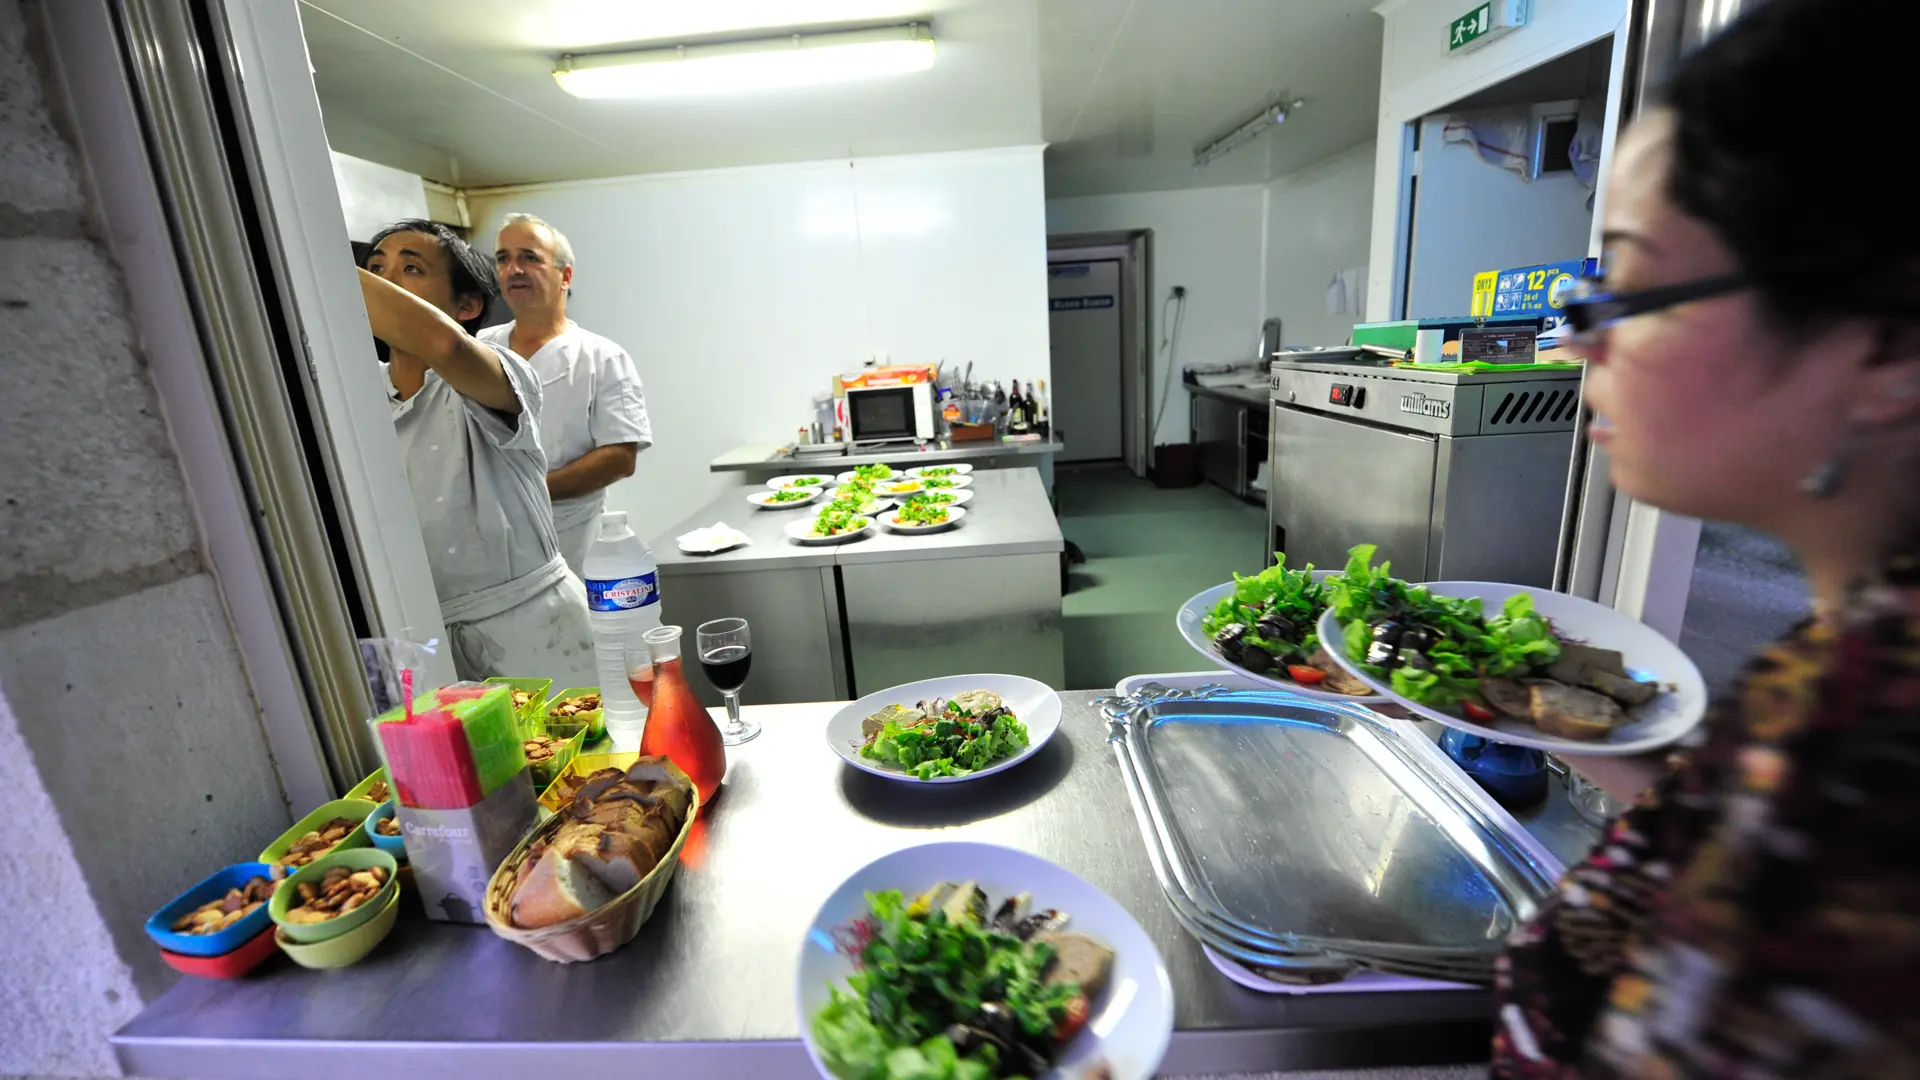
(592, 398)
(479, 487)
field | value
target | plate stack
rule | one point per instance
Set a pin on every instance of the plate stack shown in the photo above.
(1310, 840)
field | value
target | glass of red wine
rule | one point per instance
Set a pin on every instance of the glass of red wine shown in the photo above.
(726, 653)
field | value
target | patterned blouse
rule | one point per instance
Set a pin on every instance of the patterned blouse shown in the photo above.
(1756, 914)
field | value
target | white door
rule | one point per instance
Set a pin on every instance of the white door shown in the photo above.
(1083, 305)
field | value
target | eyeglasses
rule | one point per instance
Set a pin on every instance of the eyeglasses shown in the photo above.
(1590, 311)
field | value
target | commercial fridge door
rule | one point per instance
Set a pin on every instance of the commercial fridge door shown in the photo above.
(1336, 483)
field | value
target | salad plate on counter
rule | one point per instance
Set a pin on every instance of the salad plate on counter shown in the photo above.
(915, 517)
(829, 527)
(942, 483)
(1024, 945)
(947, 730)
(1512, 663)
(869, 474)
(946, 497)
(783, 498)
(806, 480)
(1264, 627)
(960, 469)
(869, 504)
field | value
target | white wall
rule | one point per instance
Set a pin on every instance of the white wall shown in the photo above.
(373, 195)
(1418, 77)
(1472, 216)
(1207, 239)
(742, 292)
(1317, 225)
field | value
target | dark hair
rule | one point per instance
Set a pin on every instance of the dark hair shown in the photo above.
(470, 272)
(1781, 146)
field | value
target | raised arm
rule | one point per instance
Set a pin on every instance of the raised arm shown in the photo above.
(411, 325)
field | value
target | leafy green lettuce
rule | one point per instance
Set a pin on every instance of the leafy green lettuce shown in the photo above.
(1275, 590)
(952, 745)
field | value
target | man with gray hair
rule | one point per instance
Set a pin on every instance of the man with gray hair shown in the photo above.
(594, 424)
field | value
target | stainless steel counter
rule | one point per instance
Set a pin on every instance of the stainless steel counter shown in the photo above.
(1254, 397)
(887, 608)
(770, 459)
(707, 988)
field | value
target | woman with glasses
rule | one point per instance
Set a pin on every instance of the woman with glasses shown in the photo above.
(1754, 356)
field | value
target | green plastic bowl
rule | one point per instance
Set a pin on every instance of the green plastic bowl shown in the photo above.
(354, 810)
(350, 947)
(354, 859)
(596, 720)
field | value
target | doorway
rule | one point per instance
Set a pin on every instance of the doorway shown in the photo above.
(1097, 319)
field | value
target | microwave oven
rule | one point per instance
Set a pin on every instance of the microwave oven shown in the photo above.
(902, 412)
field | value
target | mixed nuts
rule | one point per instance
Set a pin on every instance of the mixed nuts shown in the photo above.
(340, 890)
(522, 699)
(387, 826)
(216, 915)
(541, 748)
(379, 792)
(317, 842)
(575, 708)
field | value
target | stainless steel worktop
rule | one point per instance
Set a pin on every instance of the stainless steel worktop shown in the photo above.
(707, 987)
(1253, 397)
(1009, 514)
(771, 458)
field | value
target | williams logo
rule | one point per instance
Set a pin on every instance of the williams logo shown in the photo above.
(1422, 405)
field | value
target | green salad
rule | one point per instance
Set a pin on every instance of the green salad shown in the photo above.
(942, 992)
(942, 481)
(944, 738)
(873, 472)
(834, 520)
(1273, 611)
(857, 502)
(791, 494)
(1435, 649)
(939, 470)
(806, 481)
(920, 510)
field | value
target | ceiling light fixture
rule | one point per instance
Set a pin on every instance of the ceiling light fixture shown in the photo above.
(740, 66)
(1271, 114)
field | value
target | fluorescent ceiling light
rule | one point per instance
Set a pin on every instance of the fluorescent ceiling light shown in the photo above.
(738, 66)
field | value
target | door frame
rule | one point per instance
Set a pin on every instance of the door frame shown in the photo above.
(1133, 248)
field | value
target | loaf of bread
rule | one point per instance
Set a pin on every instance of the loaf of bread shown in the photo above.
(618, 828)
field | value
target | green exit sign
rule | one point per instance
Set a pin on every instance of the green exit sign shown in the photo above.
(1485, 23)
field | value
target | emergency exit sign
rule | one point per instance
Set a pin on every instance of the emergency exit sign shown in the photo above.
(1490, 20)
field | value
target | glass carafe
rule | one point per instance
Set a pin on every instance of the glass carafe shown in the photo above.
(678, 726)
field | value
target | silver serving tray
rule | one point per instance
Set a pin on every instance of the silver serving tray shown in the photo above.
(1309, 839)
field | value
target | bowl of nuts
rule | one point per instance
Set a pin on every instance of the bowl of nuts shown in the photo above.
(334, 894)
(383, 828)
(337, 824)
(348, 948)
(218, 915)
(579, 705)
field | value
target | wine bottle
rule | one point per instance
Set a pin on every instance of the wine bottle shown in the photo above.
(1016, 411)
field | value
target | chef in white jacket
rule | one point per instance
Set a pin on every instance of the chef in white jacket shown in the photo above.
(467, 415)
(594, 423)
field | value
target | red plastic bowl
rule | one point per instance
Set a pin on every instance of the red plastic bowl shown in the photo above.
(227, 965)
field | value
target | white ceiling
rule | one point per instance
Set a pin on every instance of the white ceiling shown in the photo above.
(461, 90)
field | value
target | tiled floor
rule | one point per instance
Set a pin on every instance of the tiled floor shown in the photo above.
(1147, 550)
(1747, 590)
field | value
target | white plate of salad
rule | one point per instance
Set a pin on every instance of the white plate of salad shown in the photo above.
(830, 526)
(812, 480)
(945, 498)
(1265, 628)
(958, 469)
(915, 517)
(783, 498)
(1513, 663)
(1090, 993)
(859, 500)
(946, 730)
(944, 483)
(872, 474)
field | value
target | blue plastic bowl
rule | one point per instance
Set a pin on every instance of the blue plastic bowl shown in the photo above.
(233, 877)
(392, 845)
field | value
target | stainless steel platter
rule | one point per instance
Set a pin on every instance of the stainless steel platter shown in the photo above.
(1310, 839)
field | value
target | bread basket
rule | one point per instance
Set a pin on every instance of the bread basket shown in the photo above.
(603, 929)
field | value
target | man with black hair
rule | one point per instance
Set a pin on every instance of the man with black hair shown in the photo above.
(467, 414)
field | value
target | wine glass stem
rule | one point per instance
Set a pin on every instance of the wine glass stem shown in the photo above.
(733, 713)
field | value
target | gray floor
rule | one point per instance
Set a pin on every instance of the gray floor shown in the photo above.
(1147, 550)
(1747, 590)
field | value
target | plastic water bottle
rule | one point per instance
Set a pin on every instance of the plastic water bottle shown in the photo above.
(623, 598)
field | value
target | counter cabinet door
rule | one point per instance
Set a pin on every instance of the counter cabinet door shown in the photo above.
(1336, 483)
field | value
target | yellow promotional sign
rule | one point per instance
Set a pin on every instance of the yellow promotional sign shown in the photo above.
(1484, 285)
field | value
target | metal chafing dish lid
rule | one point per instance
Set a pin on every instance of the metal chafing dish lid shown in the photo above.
(1289, 832)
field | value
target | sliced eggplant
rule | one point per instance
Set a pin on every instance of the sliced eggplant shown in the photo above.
(1228, 640)
(1276, 628)
(1008, 913)
(1040, 922)
(1256, 659)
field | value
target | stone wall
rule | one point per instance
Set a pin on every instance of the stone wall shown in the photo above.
(131, 751)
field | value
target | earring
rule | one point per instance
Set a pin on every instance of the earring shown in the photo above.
(1825, 482)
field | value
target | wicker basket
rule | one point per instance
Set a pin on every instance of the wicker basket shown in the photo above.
(603, 929)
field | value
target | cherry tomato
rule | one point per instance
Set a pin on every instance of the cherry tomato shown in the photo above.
(1077, 1012)
(1477, 711)
(1304, 675)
